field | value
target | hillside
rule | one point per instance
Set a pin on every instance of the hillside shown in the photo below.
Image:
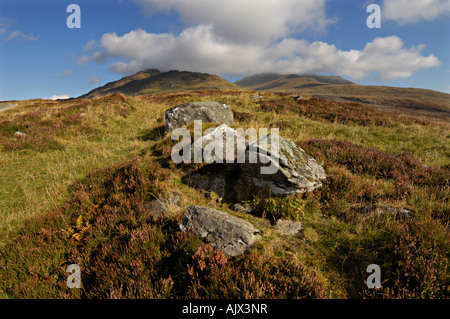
(272, 81)
(91, 182)
(153, 81)
(411, 101)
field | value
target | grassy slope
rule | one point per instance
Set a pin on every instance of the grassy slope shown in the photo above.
(419, 102)
(153, 81)
(47, 186)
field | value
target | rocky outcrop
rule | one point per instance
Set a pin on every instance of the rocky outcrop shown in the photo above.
(271, 161)
(229, 233)
(219, 145)
(294, 171)
(207, 112)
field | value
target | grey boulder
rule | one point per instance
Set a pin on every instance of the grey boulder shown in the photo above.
(288, 169)
(207, 112)
(229, 233)
(219, 145)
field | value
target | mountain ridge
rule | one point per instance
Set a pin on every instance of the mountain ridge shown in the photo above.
(263, 79)
(410, 101)
(152, 81)
(416, 101)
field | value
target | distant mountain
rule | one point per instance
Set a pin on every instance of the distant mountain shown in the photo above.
(404, 100)
(154, 81)
(280, 82)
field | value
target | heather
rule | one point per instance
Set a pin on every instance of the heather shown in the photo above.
(79, 188)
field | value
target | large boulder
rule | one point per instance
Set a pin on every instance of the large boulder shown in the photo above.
(288, 169)
(207, 112)
(219, 145)
(271, 161)
(229, 233)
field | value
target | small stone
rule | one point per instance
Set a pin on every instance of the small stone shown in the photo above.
(240, 208)
(20, 134)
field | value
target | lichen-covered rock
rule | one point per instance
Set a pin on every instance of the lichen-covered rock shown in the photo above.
(290, 169)
(229, 233)
(207, 112)
(240, 208)
(271, 161)
(219, 145)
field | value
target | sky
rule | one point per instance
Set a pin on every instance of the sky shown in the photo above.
(41, 56)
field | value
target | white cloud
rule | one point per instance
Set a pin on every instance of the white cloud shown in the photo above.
(236, 38)
(90, 45)
(83, 60)
(58, 97)
(20, 36)
(249, 21)
(199, 49)
(5, 26)
(95, 80)
(66, 72)
(411, 11)
(99, 56)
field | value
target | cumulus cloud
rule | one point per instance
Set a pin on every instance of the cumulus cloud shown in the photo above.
(5, 26)
(237, 38)
(95, 80)
(99, 56)
(20, 36)
(411, 11)
(91, 44)
(66, 72)
(83, 60)
(247, 21)
(199, 49)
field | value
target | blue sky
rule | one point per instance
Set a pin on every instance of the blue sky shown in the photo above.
(40, 57)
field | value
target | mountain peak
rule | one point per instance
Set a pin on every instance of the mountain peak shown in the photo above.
(152, 81)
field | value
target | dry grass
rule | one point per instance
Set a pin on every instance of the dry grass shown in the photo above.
(113, 161)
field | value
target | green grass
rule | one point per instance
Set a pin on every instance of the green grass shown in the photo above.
(87, 202)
